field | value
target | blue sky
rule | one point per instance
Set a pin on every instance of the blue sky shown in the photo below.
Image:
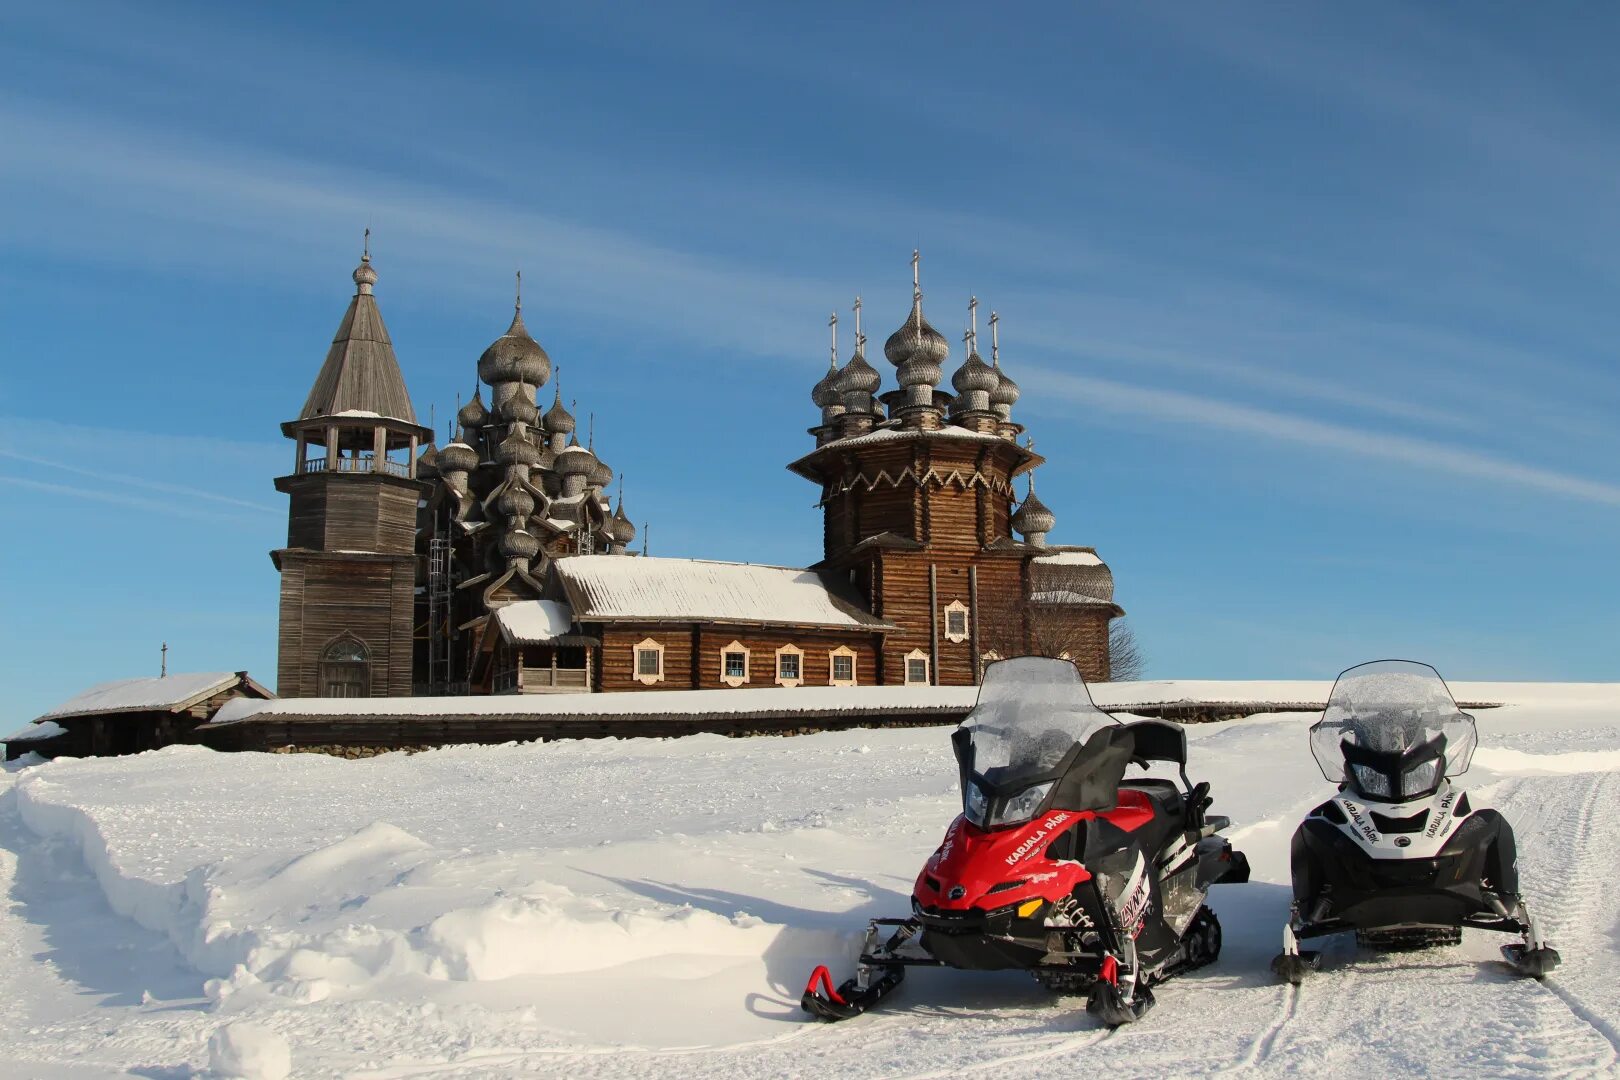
(1313, 305)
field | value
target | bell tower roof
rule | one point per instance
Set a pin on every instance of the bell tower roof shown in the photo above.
(360, 374)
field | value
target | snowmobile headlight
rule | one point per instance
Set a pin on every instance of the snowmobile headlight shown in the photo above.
(1371, 781)
(974, 804)
(1421, 777)
(1022, 806)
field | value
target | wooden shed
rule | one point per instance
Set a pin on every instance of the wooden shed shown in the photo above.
(132, 715)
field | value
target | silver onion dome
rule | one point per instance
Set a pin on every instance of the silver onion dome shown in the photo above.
(427, 463)
(975, 374)
(365, 276)
(473, 414)
(518, 409)
(574, 460)
(558, 420)
(825, 392)
(516, 451)
(519, 544)
(916, 339)
(515, 357)
(600, 474)
(858, 377)
(624, 531)
(1033, 517)
(457, 457)
(1006, 391)
(515, 504)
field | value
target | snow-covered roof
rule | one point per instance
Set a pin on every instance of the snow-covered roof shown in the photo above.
(883, 435)
(41, 729)
(534, 622)
(842, 701)
(151, 694)
(687, 589)
(1070, 558)
(1170, 697)
(1067, 596)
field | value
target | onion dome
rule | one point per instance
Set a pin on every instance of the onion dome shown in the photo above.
(601, 474)
(916, 340)
(517, 409)
(514, 503)
(858, 377)
(975, 374)
(1006, 391)
(427, 463)
(473, 414)
(1033, 518)
(624, 531)
(558, 420)
(457, 457)
(364, 276)
(515, 357)
(919, 371)
(516, 451)
(825, 393)
(574, 459)
(519, 544)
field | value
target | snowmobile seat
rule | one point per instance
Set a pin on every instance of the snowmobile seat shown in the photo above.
(1160, 740)
(1168, 801)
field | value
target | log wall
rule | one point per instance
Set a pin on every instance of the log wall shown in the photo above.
(685, 642)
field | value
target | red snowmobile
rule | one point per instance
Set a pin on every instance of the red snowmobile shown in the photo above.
(1057, 865)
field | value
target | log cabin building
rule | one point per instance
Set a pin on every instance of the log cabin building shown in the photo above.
(497, 563)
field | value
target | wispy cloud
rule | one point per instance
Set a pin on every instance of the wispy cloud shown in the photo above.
(1268, 424)
(165, 507)
(126, 480)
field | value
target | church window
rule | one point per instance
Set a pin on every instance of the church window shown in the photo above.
(916, 667)
(956, 621)
(734, 664)
(649, 662)
(346, 668)
(789, 665)
(842, 666)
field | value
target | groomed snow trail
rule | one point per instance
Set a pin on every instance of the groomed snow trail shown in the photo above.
(651, 909)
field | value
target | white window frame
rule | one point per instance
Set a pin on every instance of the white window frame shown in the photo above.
(918, 654)
(734, 647)
(832, 668)
(646, 645)
(967, 621)
(789, 650)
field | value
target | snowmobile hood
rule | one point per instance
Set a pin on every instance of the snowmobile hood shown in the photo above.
(992, 869)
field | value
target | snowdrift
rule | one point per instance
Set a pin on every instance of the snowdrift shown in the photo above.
(558, 907)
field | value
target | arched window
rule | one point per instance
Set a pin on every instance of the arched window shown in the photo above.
(346, 668)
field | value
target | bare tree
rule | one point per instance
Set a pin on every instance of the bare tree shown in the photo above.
(1006, 630)
(1126, 662)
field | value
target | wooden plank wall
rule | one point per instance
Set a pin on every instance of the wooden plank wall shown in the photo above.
(685, 641)
(323, 596)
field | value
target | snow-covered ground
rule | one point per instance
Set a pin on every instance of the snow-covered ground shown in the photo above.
(653, 907)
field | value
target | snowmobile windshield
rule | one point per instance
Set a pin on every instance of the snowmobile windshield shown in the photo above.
(1031, 712)
(1393, 730)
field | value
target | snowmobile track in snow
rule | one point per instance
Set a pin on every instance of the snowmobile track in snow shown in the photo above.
(1085, 1041)
(1580, 884)
(1261, 1048)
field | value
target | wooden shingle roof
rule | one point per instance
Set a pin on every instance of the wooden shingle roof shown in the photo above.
(361, 374)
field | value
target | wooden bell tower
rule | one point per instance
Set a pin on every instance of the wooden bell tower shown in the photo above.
(348, 572)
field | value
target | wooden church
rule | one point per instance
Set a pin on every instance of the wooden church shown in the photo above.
(497, 563)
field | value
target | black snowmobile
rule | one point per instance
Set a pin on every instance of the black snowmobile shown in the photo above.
(1399, 856)
(1058, 864)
